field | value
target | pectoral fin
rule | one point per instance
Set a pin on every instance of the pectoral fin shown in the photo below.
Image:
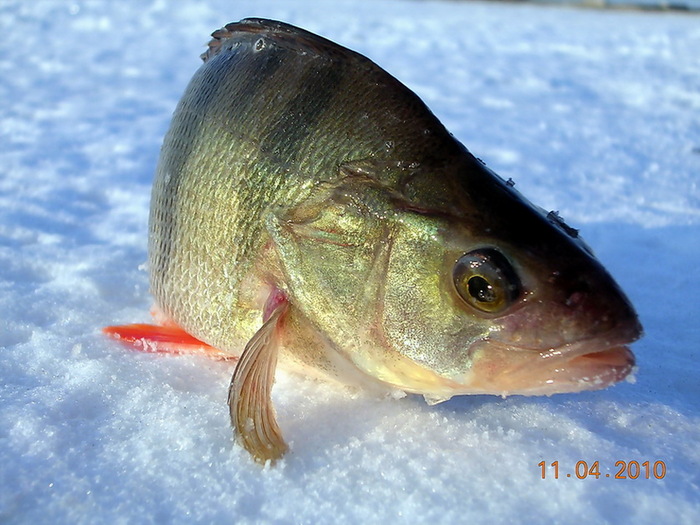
(250, 404)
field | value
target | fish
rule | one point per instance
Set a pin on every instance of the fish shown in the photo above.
(310, 212)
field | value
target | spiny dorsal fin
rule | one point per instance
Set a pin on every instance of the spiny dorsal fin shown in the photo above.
(282, 35)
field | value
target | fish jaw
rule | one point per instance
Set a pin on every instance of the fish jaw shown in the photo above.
(505, 370)
(556, 345)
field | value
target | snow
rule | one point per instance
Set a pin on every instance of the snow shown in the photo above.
(593, 113)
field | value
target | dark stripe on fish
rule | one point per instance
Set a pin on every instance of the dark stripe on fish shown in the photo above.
(299, 116)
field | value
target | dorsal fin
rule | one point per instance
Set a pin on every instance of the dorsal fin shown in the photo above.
(282, 35)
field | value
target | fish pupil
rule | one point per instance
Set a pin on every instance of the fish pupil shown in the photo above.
(481, 290)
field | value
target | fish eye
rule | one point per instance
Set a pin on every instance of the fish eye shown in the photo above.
(485, 280)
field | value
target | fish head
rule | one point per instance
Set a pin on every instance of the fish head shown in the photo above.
(490, 294)
(454, 285)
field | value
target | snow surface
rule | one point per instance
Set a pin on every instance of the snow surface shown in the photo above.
(593, 113)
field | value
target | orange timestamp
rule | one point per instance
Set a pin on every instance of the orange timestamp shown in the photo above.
(626, 470)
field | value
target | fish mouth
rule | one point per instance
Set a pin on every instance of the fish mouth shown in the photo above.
(588, 365)
(593, 370)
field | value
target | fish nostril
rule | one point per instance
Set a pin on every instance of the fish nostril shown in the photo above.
(574, 299)
(578, 294)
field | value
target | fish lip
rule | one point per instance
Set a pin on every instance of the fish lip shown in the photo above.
(596, 352)
(589, 364)
(586, 347)
(592, 365)
(608, 366)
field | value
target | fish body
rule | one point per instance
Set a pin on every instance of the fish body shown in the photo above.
(307, 205)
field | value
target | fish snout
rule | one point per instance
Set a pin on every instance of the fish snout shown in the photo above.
(576, 341)
(570, 309)
(595, 307)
